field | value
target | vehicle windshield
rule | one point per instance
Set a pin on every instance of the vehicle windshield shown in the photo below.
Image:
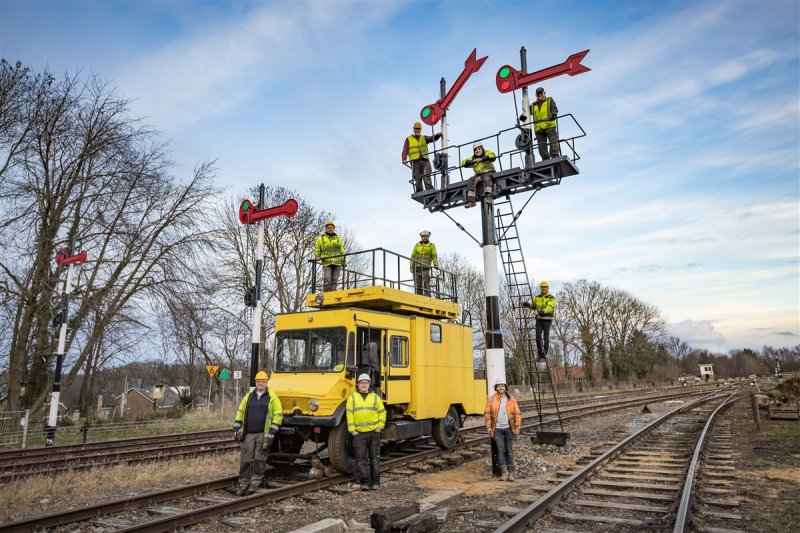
(310, 350)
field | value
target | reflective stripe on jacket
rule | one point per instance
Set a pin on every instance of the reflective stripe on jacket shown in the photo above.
(545, 304)
(417, 148)
(274, 413)
(541, 115)
(424, 255)
(493, 407)
(365, 414)
(330, 249)
(481, 167)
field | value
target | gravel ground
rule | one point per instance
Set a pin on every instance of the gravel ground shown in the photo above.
(768, 463)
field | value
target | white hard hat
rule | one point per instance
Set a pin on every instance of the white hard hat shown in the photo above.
(476, 144)
(500, 381)
(364, 377)
(425, 232)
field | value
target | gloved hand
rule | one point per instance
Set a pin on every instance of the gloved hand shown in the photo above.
(526, 304)
(237, 431)
(523, 118)
(267, 443)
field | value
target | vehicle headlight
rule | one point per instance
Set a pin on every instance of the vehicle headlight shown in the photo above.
(313, 405)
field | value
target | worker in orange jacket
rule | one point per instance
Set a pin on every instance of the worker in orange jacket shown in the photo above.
(503, 423)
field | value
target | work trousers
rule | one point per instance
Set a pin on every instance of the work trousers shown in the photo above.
(252, 460)
(472, 185)
(367, 446)
(422, 280)
(505, 446)
(543, 337)
(421, 171)
(330, 279)
(542, 138)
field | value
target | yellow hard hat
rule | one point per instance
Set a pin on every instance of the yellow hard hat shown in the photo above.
(544, 284)
(417, 125)
(262, 376)
(330, 223)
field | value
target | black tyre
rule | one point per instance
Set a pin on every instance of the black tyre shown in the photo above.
(340, 449)
(445, 430)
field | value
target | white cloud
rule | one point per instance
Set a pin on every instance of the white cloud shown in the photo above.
(700, 334)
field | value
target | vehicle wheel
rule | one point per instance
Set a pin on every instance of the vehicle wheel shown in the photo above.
(445, 430)
(340, 449)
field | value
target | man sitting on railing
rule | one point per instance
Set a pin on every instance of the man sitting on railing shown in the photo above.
(482, 162)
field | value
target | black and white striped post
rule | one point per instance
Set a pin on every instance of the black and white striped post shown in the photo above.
(63, 258)
(251, 214)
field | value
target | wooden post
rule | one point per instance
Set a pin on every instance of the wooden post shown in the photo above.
(756, 417)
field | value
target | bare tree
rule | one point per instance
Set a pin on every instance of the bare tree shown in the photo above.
(82, 170)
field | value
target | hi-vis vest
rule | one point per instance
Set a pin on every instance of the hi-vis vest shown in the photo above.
(417, 148)
(545, 304)
(541, 115)
(424, 255)
(482, 167)
(330, 250)
(365, 414)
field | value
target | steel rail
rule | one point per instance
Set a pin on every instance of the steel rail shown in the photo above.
(687, 497)
(534, 511)
(247, 502)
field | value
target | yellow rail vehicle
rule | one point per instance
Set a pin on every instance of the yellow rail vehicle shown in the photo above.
(419, 358)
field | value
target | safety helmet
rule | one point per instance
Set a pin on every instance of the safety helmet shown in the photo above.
(500, 381)
(540, 90)
(424, 233)
(477, 144)
(544, 284)
(417, 125)
(364, 377)
(330, 223)
(262, 375)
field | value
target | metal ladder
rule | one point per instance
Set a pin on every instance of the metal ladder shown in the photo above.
(513, 261)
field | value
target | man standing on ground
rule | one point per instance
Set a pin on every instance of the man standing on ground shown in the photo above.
(257, 421)
(415, 149)
(366, 417)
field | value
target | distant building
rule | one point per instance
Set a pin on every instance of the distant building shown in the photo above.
(707, 372)
(134, 402)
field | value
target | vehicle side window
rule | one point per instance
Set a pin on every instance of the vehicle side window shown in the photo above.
(436, 333)
(398, 351)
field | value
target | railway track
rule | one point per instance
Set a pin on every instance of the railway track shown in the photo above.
(24, 463)
(18, 464)
(634, 485)
(202, 501)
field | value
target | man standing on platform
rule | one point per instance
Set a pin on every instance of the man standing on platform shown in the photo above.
(544, 112)
(415, 149)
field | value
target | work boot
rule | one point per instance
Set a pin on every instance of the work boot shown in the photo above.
(376, 486)
(365, 486)
(503, 473)
(259, 467)
(245, 470)
(511, 472)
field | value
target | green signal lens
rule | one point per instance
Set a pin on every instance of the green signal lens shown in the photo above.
(426, 112)
(245, 205)
(504, 72)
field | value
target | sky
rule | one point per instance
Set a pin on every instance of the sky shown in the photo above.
(688, 194)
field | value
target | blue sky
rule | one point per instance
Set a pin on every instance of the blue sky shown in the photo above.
(688, 194)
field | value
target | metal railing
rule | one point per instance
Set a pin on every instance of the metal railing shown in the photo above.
(381, 267)
(443, 172)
